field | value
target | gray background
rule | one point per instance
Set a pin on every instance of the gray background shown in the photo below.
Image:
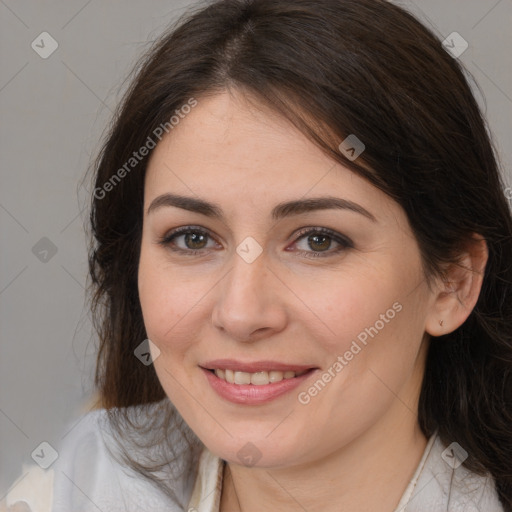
(53, 113)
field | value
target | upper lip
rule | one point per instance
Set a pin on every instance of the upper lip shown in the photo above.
(254, 366)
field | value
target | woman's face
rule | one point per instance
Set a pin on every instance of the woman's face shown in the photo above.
(258, 284)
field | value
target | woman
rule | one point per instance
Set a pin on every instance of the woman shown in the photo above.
(301, 275)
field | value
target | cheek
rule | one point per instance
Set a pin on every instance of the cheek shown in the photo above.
(351, 306)
(374, 322)
(167, 304)
(377, 352)
(174, 303)
(164, 300)
(370, 360)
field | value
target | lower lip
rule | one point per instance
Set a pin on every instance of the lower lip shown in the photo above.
(251, 394)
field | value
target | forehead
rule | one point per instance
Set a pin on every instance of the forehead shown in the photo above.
(233, 151)
(229, 131)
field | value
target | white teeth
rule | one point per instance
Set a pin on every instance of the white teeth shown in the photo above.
(242, 378)
(275, 376)
(257, 378)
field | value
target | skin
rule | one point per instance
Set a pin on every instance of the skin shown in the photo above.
(360, 432)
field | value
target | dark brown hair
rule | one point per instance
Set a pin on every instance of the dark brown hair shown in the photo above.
(332, 68)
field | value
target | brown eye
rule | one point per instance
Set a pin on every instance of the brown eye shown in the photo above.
(320, 240)
(187, 240)
(195, 240)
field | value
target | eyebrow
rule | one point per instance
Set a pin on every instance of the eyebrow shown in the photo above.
(280, 211)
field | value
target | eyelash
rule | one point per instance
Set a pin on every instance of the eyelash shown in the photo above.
(345, 243)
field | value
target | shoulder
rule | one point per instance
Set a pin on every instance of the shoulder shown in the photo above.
(443, 483)
(90, 472)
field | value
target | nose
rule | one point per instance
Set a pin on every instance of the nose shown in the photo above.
(249, 303)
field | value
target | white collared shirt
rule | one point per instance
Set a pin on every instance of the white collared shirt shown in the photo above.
(86, 478)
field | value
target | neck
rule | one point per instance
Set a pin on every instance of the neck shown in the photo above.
(371, 473)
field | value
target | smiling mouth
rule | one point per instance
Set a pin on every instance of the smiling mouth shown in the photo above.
(257, 378)
(261, 383)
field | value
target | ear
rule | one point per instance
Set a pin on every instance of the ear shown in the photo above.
(457, 291)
